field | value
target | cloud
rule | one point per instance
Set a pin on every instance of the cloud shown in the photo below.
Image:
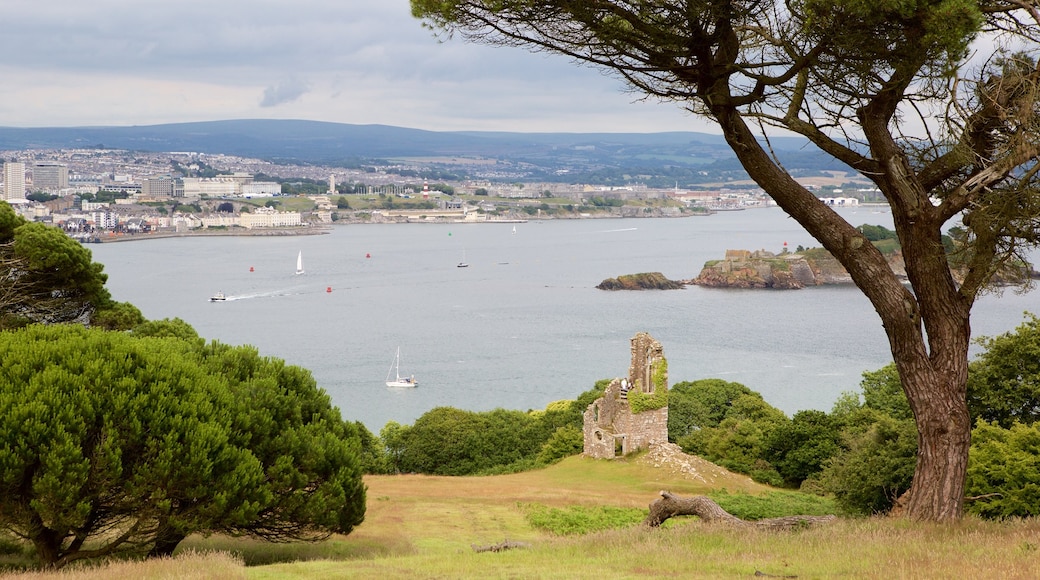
(284, 92)
(128, 62)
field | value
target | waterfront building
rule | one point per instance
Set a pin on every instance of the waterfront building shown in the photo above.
(267, 217)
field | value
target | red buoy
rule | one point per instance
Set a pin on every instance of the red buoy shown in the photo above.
(328, 289)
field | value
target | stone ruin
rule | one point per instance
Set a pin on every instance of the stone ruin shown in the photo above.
(611, 429)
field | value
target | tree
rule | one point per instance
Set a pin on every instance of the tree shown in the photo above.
(852, 78)
(1004, 382)
(45, 276)
(115, 442)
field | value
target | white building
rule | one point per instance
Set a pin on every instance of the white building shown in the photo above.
(261, 189)
(840, 201)
(266, 217)
(14, 180)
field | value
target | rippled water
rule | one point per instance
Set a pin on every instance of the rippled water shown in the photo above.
(523, 325)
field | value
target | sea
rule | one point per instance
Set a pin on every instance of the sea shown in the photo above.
(523, 324)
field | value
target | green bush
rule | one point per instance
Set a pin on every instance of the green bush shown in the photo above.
(1005, 462)
(878, 466)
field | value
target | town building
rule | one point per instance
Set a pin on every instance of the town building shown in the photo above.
(158, 187)
(50, 177)
(14, 180)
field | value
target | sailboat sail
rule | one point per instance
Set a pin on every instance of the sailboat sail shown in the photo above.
(395, 370)
(299, 263)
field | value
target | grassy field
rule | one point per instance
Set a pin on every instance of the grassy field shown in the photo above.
(426, 527)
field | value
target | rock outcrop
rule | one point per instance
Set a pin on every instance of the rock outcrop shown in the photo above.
(762, 269)
(643, 281)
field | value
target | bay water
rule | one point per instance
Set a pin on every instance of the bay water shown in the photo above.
(523, 325)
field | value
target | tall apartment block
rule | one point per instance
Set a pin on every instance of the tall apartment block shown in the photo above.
(14, 180)
(50, 177)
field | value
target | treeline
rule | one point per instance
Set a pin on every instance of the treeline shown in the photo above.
(862, 452)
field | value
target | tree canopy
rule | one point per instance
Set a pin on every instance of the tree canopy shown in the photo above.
(45, 276)
(891, 89)
(113, 442)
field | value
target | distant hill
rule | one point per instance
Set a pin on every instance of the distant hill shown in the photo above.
(590, 157)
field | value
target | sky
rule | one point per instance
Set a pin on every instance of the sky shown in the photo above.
(76, 63)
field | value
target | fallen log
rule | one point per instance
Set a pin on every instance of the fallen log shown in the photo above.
(671, 505)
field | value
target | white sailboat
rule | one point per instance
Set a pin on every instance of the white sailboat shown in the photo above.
(299, 263)
(463, 263)
(395, 370)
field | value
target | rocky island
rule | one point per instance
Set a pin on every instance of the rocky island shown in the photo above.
(784, 271)
(643, 281)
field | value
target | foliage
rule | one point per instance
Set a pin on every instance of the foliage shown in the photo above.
(700, 404)
(578, 520)
(1006, 462)
(883, 392)
(564, 442)
(876, 233)
(449, 441)
(373, 453)
(876, 469)
(1004, 380)
(773, 504)
(799, 448)
(117, 316)
(640, 402)
(114, 442)
(45, 276)
(728, 424)
(169, 328)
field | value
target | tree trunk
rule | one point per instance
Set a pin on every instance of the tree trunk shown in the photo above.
(943, 438)
(48, 547)
(671, 505)
(166, 541)
(928, 329)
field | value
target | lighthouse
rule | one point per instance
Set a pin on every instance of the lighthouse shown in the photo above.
(332, 184)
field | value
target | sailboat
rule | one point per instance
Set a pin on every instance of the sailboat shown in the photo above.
(463, 263)
(299, 263)
(395, 369)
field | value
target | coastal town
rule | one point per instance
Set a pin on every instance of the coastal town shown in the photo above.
(98, 194)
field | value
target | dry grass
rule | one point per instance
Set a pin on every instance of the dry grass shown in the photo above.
(189, 565)
(425, 527)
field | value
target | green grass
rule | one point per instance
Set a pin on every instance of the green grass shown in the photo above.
(581, 519)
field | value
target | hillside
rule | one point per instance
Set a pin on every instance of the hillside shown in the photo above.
(426, 527)
(659, 159)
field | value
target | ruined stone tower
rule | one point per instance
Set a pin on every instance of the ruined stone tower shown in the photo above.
(632, 414)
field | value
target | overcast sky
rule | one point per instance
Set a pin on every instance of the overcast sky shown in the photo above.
(144, 62)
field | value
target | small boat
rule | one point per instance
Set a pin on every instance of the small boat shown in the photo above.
(299, 263)
(395, 370)
(463, 263)
(218, 297)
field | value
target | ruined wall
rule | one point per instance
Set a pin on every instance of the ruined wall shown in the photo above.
(611, 429)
